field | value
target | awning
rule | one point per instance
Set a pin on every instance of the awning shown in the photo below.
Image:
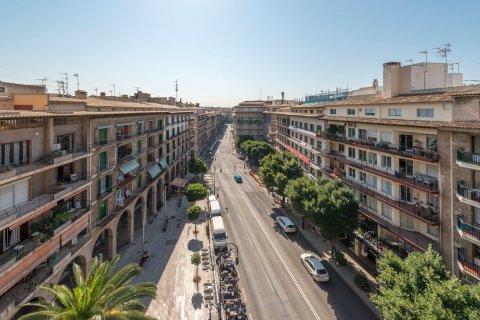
(179, 182)
(104, 126)
(163, 164)
(132, 165)
(154, 171)
(140, 121)
(122, 124)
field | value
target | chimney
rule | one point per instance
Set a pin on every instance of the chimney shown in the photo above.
(391, 79)
(102, 94)
(81, 94)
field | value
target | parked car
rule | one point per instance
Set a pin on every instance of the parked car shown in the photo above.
(285, 223)
(241, 156)
(238, 179)
(315, 267)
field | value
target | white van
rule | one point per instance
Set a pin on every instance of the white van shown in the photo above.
(219, 234)
(215, 210)
(211, 198)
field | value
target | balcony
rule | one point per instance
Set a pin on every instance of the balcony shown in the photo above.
(469, 267)
(124, 137)
(105, 192)
(429, 215)
(468, 231)
(428, 155)
(419, 181)
(49, 238)
(107, 167)
(468, 159)
(123, 157)
(303, 131)
(104, 142)
(468, 195)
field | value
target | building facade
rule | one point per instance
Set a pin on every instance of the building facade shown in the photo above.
(250, 119)
(77, 181)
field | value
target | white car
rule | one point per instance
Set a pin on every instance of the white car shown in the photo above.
(314, 267)
(286, 224)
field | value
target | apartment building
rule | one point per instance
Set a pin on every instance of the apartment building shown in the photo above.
(78, 180)
(207, 124)
(410, 156)
(251, 119)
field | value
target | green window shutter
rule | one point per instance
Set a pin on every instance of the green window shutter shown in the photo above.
(103, 161)
(160, 137)
(102, 133)
(139, 128)
(102, 210)
(108, 183)
(139, 182)
(168, 160)
(139, 146)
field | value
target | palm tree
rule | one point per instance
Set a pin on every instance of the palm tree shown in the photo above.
(102, 295)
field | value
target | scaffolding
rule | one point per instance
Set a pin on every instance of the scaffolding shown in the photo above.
(327, 96)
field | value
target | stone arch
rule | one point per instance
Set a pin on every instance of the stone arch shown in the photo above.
(66, 277)
(160, 193)
(105, 245)
(139, 212)
(27, 310)
(124, 234)
(151, 200)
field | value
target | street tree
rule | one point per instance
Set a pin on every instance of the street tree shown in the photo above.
(277, 169)
(193, 213)
(299, 192)
(334, 209)
(102, 294)
(256, 150)
(196, 191)
(242, 139)
(418, 287)
(195, 260)
(197, 166)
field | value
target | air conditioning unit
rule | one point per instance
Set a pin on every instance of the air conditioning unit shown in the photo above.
(56, 146)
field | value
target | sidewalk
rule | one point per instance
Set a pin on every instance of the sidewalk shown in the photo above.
(169, 264)
(322, 247)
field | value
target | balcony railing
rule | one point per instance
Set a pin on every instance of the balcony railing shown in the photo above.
(468, 229)
(121, 137)
(108, 166)
(402, 150)
(125, 157)
(469, 267)
(108, 190)
(468, 193)
(428, 215)
(104, 142)
(468, 157)
(419, 180)
(53, 156)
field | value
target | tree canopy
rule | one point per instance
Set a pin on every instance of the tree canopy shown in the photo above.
(299, 192)
(277, 169)
(419, 287)
(102, 294)
(334, 209)
(193, 212)
(197, 166)
(242, 139)
(256, 150)
(196, 191)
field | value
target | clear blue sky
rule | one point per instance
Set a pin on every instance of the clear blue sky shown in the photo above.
(223, 51)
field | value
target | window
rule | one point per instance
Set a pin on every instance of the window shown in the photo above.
(312, 142)
(333, 111)
(351, 152)
(387, 162)
(372, 158)
(406, 221)
(362, 155)
(102, 136)
(351, 173)
(312, 127)
(319, 128)
(387, 186)
(432, 200)
(341, 148)
(14, 153)
(425, 113)
(369, 111)
(387, 211)
(319, 145)
(372, 204)
(139, 182)
(351, 133)
(351, 112)
(433, 230)
(406, 193)
(102, 161)
(371, 135)
(363, 177)
(362, 134)
(65, 141)
(139, 146)
(363, 199)
(300, 124)
(395, 112)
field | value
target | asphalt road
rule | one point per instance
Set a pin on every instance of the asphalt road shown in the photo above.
(275, 283)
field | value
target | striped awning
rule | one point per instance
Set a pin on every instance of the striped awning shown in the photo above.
(132, 165)
(104, 126)
(163, 164)
(154, 171)
(122, 124)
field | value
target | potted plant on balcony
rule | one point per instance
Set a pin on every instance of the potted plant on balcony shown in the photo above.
(6, 172)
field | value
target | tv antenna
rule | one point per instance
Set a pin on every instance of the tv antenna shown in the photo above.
(65, 83)
(60, 87)
(96, 91)
(110, 92)
(176, 90)
(458, 66)
(409, 61)
(43, 80)
(137, 88)
(425, 52)
(113, 84)
(78, 83)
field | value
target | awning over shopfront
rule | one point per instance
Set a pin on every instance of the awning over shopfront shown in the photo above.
(104, 126)
(154, 171)
(132, 165)
(163, 164)
(179, 182)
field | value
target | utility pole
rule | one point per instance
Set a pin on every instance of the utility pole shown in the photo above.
(425, 52)
(176, 90)
(78, 83)
(113, 84)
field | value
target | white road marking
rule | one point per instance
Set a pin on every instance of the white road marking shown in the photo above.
(307, 301)
(244, 296)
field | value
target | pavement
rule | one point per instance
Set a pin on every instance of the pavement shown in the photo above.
(169, 263)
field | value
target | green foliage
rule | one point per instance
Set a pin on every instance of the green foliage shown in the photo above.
(193, 212)
(362, 282)
(419, 287)
(196, 191)
(277, 169)
(195, 258)
(197, 166)
(299, 192)
(340, 257)
(242, 139)
(334, 210)
(256, 150)
(102, 294)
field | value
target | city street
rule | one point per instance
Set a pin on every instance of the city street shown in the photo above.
(275, 283)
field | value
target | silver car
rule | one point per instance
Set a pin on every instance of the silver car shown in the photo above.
(314, 267)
